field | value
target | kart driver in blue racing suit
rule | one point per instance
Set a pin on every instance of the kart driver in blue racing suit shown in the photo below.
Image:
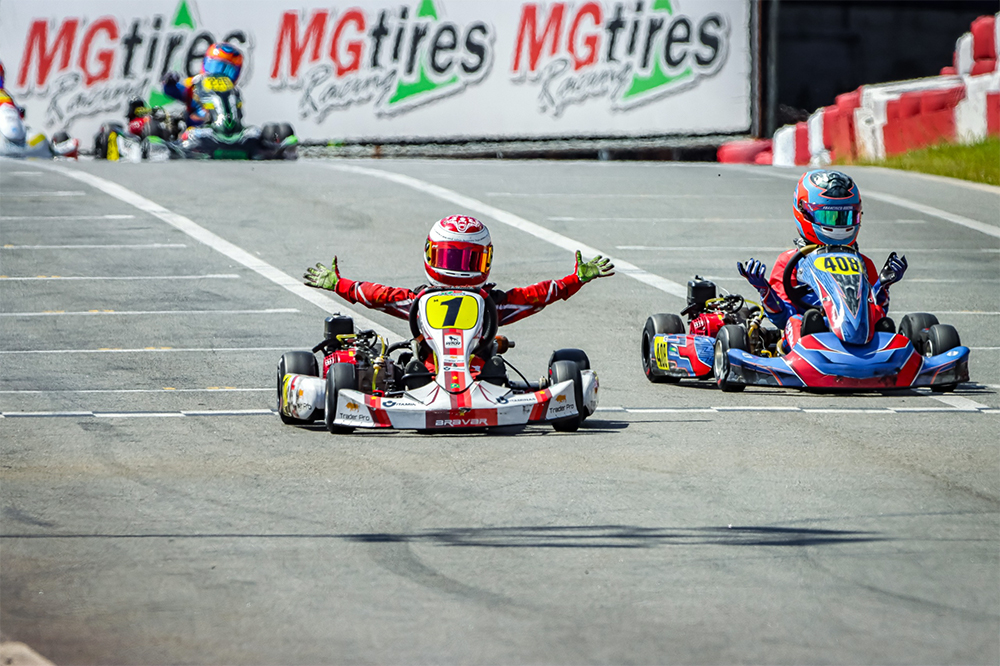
(222, 59)
(827, 210)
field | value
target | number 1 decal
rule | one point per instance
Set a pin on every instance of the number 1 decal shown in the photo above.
(452, 311)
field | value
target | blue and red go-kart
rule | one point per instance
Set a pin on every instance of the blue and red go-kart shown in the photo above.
(840, 346)
(367, 383)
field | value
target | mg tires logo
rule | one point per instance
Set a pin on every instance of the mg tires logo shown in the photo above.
(629, 54)
(395, 59)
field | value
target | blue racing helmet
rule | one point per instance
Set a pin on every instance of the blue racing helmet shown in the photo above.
(222, 59)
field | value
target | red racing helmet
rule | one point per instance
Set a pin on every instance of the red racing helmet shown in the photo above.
(458, 252)
(827, 208)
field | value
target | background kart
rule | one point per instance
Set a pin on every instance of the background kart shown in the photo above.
(362, 385)
(157, 135)
(841, 347)
(18, 140)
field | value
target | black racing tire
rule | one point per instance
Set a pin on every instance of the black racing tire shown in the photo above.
(729, 337)
(941, 338)
(269, 132)
(340, 376)
(915, 326)
(59, 137)
(101, 143)
(658, 324)
(284, 131)
(295, 363)
(578, 356)
(561, 371)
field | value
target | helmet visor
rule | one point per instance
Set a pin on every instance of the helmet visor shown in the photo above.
(459, 257)
(834, 217)
(222, 68)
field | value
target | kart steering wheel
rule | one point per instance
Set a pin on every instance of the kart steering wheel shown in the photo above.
(797, 293)
(490, 324)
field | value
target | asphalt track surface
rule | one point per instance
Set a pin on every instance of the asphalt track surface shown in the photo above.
(155, 510)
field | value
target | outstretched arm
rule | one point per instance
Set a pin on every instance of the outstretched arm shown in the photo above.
(521, 302)
(391, 300)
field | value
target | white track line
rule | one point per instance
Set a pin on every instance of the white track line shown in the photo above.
(976, 225)
(504, 217)
(221, 245)
(12, 218)
(165, 389)
(219, 276)
(619, 410)
(51, 193)
(698, 220)
(144, 350)
(83, 313)
(138, 246)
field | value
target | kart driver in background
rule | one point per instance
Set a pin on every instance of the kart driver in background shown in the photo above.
(222, 59)
(5, 97)
(458, 254)
(827, 209)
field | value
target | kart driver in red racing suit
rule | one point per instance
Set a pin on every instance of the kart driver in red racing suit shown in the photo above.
(458, 254)
(827, 209)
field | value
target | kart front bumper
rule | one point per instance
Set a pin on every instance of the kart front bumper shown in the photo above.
(823, 361)
(431, 407)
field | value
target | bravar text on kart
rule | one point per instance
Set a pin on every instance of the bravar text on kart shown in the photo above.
(362, 384)
(841, 346)
(157, 135)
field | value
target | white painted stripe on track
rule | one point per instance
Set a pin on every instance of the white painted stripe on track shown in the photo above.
(144, 350)
(982, 227)
(219, 276)
(216, 389)
(958, 402)
(221, 245)
(138, 246)
(12, 218)
(50, 193)
(22, 173)
(510, 219)
(905, 411)
(86, 313)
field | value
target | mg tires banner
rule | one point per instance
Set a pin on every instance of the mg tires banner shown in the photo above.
(384, 71)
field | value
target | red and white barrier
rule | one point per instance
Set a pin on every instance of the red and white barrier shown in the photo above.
(876, 121)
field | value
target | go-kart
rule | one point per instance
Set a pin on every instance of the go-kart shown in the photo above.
(363, 385)
(838, 347)
(18, 140)
(157, 135)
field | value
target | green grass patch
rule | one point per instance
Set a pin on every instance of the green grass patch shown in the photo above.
(978, 162)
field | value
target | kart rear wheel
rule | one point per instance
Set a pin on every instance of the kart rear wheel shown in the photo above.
(941, 338)
(561, 371)
(658, 324)
(284, 131)
(269, 132)
(914, 327)
(295, 363)
(578, 356)
(340, 376)
(730, 336)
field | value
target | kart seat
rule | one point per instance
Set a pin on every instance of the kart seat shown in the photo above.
(813, 322)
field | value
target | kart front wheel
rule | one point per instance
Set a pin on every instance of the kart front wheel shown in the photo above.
(730, 336)
(295, 363)
(914, 326)
(658, 324)
(340, 376)
(941, 338)
(561, 371)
